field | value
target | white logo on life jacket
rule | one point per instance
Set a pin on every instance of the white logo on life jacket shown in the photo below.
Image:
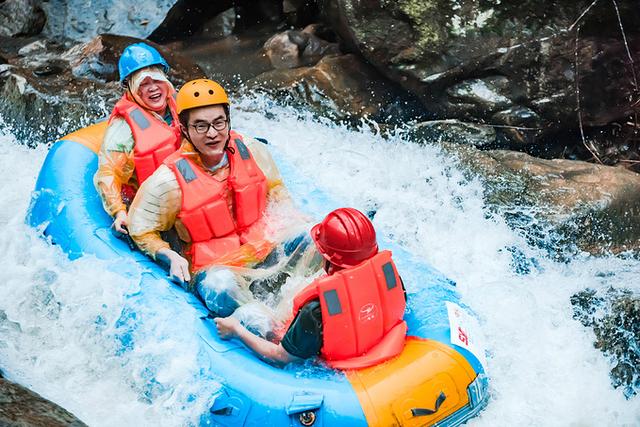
(367, 312)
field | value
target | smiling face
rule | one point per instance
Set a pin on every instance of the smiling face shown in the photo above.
(211, 143)
(154, 94)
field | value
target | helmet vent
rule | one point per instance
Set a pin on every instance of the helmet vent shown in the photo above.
(196, 94)
(210, 92)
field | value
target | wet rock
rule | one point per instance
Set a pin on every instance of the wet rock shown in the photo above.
(22, 407)
(36, 46)
(454, 131)
(47, 93)
(41, 109)
(517, 127)
(21, 18)
(560, 205)
(41, 100)
(300, 12)
(341, 87)
(188, 17)
(81, 20)
(614, 315)
(51, 68)
(292, 49)
(253, 13)
(98, 59)
(472, 60)
(232, 60)
(479, 97)
(222, 25)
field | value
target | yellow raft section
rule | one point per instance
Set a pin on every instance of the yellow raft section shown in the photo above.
(402, 391)
(91, 136)
(389, 393)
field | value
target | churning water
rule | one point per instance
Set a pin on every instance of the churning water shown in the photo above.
(59, 318)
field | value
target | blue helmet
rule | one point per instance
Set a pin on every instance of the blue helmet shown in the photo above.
(138, 56)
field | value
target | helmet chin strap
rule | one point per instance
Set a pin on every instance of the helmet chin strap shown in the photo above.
(226, 144)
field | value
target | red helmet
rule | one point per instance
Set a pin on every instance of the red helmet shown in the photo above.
(345, 237)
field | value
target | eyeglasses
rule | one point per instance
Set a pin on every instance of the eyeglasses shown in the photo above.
(204, 127)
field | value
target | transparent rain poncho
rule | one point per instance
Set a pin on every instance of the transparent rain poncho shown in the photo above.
(159, 199)
(115, 179)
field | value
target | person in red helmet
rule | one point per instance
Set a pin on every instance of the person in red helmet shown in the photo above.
(352, 316)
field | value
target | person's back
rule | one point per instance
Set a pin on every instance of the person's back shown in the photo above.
(351, 317)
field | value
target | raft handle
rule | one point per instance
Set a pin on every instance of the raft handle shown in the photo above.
(419, 412)
(227, 410)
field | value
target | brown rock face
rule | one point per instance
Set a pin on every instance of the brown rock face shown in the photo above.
(340, 86)
(20, 407)
(293, 49)
(46, 92)
(594, 207)
(98, 59)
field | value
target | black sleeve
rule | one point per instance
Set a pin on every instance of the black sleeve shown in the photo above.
(304, 337)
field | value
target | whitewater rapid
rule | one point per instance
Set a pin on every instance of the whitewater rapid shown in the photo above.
(58, 318)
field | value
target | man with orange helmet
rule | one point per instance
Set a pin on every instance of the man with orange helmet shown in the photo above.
(353, 316)
(214, 190)
(143, 130)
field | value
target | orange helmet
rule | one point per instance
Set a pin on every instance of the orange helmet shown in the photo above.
(345, 237)
(200, 93)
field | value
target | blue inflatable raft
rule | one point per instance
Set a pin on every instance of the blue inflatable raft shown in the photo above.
(438, 379)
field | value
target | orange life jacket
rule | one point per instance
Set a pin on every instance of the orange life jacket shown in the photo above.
(214, 228)
(362, 309)
(154, 139)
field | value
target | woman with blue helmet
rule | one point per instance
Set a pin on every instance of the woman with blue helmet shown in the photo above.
(143, 130)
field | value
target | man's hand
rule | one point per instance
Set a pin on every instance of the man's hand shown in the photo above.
(178, 266)
(228, 327)
(121, 220)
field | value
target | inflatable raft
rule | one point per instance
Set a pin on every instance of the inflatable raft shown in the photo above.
(438, 379)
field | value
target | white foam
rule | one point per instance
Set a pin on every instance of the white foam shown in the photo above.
(542, 365)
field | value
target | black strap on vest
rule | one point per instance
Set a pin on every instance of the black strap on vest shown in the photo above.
(242, 149)
(138, 117)
(185, 170)
(389, 276)
(333, 302)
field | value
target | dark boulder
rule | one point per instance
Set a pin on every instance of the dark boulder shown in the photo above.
(293, 48)
(188, 17)
(614, 315)
(21, 18)
(453, 131)
(523, 66)
(338, 86)
(20, 407)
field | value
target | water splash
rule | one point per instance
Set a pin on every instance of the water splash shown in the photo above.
(544, 369)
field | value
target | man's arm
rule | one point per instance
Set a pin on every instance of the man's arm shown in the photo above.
(153, 210)
(230, 327)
